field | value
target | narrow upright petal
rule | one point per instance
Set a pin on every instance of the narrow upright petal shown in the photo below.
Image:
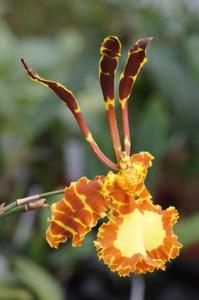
(110, 51)
(135, 61)
(77, 212)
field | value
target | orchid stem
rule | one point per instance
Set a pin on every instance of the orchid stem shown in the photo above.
(14, 210)
(19, 203)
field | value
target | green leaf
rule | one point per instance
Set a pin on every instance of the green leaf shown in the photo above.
(174, 79)
(187, 230)
(152, 136)
(68, 256)
(8, 292)
(37, 279)
(153, 130)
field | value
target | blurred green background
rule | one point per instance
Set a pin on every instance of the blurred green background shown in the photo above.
(41, 148)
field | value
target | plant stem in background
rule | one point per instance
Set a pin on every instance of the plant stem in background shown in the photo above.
(26, 204)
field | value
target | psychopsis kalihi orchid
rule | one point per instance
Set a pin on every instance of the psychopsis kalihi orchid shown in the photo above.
(137, 236)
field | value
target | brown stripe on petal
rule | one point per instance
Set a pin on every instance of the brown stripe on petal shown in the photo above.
(135, 61)
(86, 190)
(111, 47)
(60, 90)
(54, 238)
(119, 200)
(107, 85)
(68, 98)
(110, 51)
(77, 213)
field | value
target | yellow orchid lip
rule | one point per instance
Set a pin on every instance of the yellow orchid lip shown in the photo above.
(140, 241)
(138, 236)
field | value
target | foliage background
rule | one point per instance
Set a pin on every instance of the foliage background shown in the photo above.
(41, 148)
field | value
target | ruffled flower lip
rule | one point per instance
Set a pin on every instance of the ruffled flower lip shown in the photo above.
(140, 241)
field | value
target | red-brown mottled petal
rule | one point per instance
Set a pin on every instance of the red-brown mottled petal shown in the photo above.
(117, 198)
(77, 213)
(127, 186)
(135, 61)
(110, 51)
(69, 99)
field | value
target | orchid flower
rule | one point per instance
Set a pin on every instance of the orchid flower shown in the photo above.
(137, 236)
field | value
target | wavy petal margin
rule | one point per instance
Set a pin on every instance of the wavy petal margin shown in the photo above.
(77, 212)
(140, 241)
(142, 157)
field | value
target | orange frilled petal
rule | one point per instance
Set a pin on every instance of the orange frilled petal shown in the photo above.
(140, 241)
(122, 193)
(130, 179)
(142, 157)
(77, 212)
